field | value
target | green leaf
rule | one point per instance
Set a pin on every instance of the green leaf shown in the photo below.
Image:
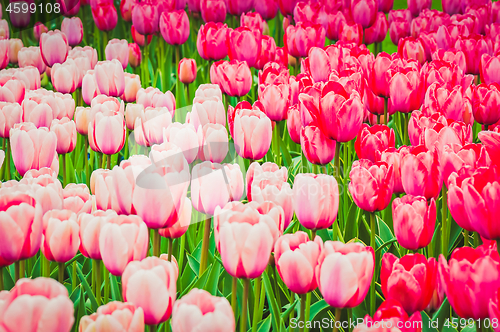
(116, 294)
(351, 227)
(317, 307)
(277, 322)
(198, 283)
(194, 264)
(84, 283)
(265, 325)
(213, 279)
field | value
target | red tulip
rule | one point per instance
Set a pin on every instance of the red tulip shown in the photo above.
(296, 259)
(416, 6)
(381, 74)
(469, 268)
(452, 103)
(253, 21)
(371, 184)
(244, 44)
(211, 41)
(394, 157)
(287, 6)
(485, 103)
(301, 38)
(372, 141)
(105, 15)
(318, 148)
(411, 48)
(116, 314)
(332, 21)
(174, 27)
(145, 17)
(213, 11)
(474, 46)
(414, 221)
(391, 313)
(421, 172)
(344, 273)
(293, 124)
(307, 11)
(385, 6)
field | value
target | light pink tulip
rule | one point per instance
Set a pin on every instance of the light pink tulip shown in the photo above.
(4, 53)
(148, 128)
(199, 310)
(65, 131)
(123, 239)
(257, 169)
(107, 133)
(60, 235)
(77, 198)
(86, 51)
(182, 224)
(10, 114)
(344, 273)
(119, 315)
(110, 78)
(185, 137)
(213, 142)
(31, 56)
(53, 47)
(29, 75)
(43, 301)
(91, 225)
(207, 110)
(118, 49)
(252, 133)
(65, 77)
(153, 97)
(208, 90)
(4, 29)
(59, 106)
(73, 29)
(151, 285)
(15, 45)
(12, 89)
(132, 85)
(89, 87)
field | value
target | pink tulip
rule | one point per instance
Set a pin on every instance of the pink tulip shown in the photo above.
(73, 29)
(390, 313)
(60, 235)
(296, 259)
(86, 51)
(105, 15)
(148, 128)
(252, 20)
(121, 240)
(234, 77)
(28, 75)
(411, 48)
(364, 12)
(11, 89)
(244, 44)
(118, 49)
(38, 29)
(187, 71)
(406, 91)
(248, 125)
(29, 56)
(421, 172)
(372, 141)
(377, 32)
(274, 98)
(213, 11)
(208, 90)
(211, 41)
(474, 46)
(200, 310)
(238, 7)
(21, 223)
(65, 76)
(454, 157)
(344, 273)
(107, 133)
(414, 221)
(312, 193)
(301, 38)
(32, 148)
(90, 230)
(209, 175)
(43, 299)
(257, 169)
(10, 114)
(126, 8)
(77, 198)
(398, 29)
(351, 33)
(207, 110)
(174, 27)
(14, 46)
(467, 270)
(485, 100)
(185, 137)
(493, 309)
(134, 55)
(213, 142)
(153, 97)
(266, 9)
(293, 124)
(18, 18)
(452, 103)
(65, 131)
(110, 78)
(182, 224)
(416, 6)
(151, 285)
(371, 184)
(132, 85)
(53, 47)
(116, 314)
(317, 148)
(488, 69)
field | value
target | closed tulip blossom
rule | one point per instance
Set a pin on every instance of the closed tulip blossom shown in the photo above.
(485, 101)
(60, 235)
(185, 137)
(30, 56)
(148, 128)
(452, 103)
(174, 27)
(151, 285)
(155, 98)
(107, 133)
(181, 225)
(105, 15)
(390, 313)
(77, 198)
(244, 44)
(274, 98)
(207, 110)
(234, 77)
(301, 38)
(372, 141)
(198, 309)
(488, 69)
(121, 240)
(371, 184)
(32, 148)
(213, 142)
(248, 125)
(421, 172)
(213, 11)
(117, 49)
(10, 114)
(38, 29)
(73, 29)
(65, 76)
(493, 309)
(344, 273)
(377, 32)
(406, 91)
(317, 148)
(44, 299)
(296, 259)
(134, 55)
(470, 269)
(257, 169)
(211, 41)
(145, 17)
(364, 12)
(187, 71)
(53, 47)
(110, 78)
(132, 85)
(117, 314)
(312, 194)
(65, 131)
(15, 45)
(91, 225)
(411, 280)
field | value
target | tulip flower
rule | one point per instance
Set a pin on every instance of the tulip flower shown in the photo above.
(139, 39)
(18, 18)
(77, 198)
(32, 148)
(274, 98)
(132, 85)
(406, 91)
(421, 172)
(91, 225)
(414, 221)
(38, 29)
(134, 55)
(391, 313)
(73, 29)
(474, 46)
(117, 49)
(296, 259)
(377, 32)
(185, 137)
(372, 141)
(485, 100)
(153, 97)
(364, 12)
(213, 142)
(207, 110)
(121, 240)
(344, 272)
(10, 114)
(110, 78)
(266, 9)
(187, 71)
(200, 310)
(411, 48)
(257, 169)
(451, 102)
(15, 45)
(43, 298)
(211, 41)
(182, 224)
(244, 44)
(65, 131)
(213, 11)
(23, 236)
(126, 7)
(246, 130)
(115, 313)
(317, 148)
(493, 309)
(87, 51)
(293, 124)
(234, 77)
(467, 270)
(105, 15)
(53, 47)
(27, 56)
(371, 184)
(60, 235)
(332, 22)
(416, 6)
(151, 285)
(145, 17)
(107, 133)
(65, 76)
(351, 33)
(148, 128)
(237, 7)
(312, 194)
(174, 27)
(301, 38)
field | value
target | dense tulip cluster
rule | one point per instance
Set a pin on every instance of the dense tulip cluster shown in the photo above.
(198, 165)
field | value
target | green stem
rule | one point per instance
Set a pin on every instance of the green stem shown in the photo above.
(2, 173)
(313, 234)
(146, 62)
(104, 44)
(61, 272)
(386, 118)
(188, 97)
(234, 299)
(373, 245)
(256, 288)
(305, 165)
(177, 85)
(297, 65)
(292, 312)
(204, 245)
(7, 160)
(109, 162)
(98, 282)
(1, 278)
(181, 251)
(349, 316)
(308, 308)
(73, 277)
(406, 137)
(106, 285)
(336, 171)
(338, 312)
(466, 238)
(476, 239)
(93, 276)
(152, 328)
(246, 289)
(156, 243)
(498, 245)
(276, 286)
(444, 221)
(276, 144)
(302, 311)
(170, 248)
(63, 160)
